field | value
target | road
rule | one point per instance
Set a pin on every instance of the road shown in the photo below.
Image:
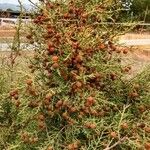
(7, 47)
(135, 42)
(131, 42)
(129, 39)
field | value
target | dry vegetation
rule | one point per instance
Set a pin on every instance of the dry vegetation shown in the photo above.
(74, 91)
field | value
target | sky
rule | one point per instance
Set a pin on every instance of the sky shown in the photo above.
(16, 1)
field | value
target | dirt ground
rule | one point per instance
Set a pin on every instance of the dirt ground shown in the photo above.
(140, 53)
(129, 36)
(6, 31)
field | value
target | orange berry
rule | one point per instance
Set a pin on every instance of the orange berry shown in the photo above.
(88, 125)
(48, 96)
(94, 112)
(133, 94)
(46, 102)
(33, 104)
(75, 45)
(65, 115)
(49, 148)
(90, 101)
(55, 65)
(55, 58)
(124, 125)
(16, 97)
(141, 108)
(113, 134)
(41, 117)
(141, 125)
(147, 129)
(78, 84)
(70, 147)
(17, 103)
(73, 109)
(51, 50)
(73, 146)
(147, 146)
(25, 137)
(118, 50)
(71, 121)
(78, 58)
(66, 15)
(126, 69)
(101, 46)
(41, 125)
(29, 81)
(113, 76)
(13, 92)
(59, 104)
(93, 126)
(125, 51)
(65, 103)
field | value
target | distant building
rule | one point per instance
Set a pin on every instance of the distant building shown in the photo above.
(9, 17)
(12, 14)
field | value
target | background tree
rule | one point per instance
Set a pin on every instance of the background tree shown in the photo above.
(141, 9)
(9, 9)
(138, 10)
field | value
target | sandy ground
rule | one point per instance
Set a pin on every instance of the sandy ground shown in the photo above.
(6, 31)
(140, 52)
(129, 36)
(9, 33)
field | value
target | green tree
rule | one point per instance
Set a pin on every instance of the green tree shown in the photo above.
(137, 9)
(9, 9)
(141, 9)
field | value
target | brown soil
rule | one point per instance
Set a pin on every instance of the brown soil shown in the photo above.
(140, 55)
(7, 33)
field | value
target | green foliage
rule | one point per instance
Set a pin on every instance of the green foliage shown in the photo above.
(139, 10)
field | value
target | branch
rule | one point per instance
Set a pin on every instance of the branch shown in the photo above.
(34, 4)
(117, 143)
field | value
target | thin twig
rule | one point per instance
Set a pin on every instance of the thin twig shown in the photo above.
(34, 4)
(117, 143)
